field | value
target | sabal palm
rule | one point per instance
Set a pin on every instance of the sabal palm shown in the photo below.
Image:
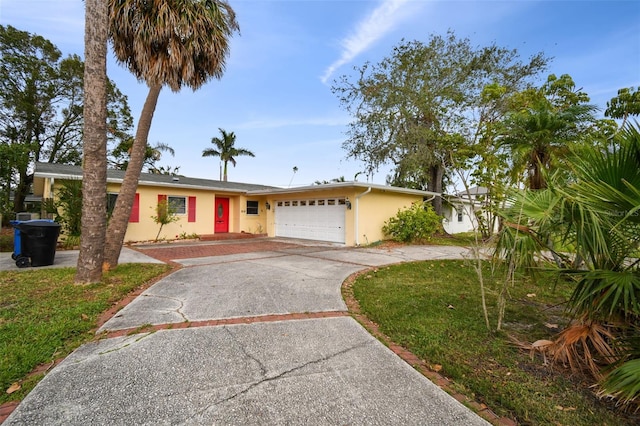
(539, 135)
(163, 42)
(94, 170)
(226, 150)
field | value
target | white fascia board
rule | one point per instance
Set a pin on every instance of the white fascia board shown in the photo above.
(73, 176)
(342, 185)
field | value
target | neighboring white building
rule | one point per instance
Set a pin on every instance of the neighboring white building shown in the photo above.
(458, 210)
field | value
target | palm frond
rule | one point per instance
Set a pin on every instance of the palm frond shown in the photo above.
(623, 383)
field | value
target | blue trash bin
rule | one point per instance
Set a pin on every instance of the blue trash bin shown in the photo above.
(34, 242)
(17, 242)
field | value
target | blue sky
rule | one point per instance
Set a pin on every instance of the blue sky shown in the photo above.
(276, 91)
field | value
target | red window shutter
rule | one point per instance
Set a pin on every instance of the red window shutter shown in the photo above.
(161, 199)
(135, 210)
(191, 209)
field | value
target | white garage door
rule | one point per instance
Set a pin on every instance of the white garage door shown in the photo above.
(321, 220)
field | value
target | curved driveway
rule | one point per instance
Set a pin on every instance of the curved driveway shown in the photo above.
(322, 370)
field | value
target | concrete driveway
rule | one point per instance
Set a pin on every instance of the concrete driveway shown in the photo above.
(263, 366)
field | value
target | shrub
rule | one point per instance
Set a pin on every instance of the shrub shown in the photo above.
(68, 207)
(414, 224)
(165, 214)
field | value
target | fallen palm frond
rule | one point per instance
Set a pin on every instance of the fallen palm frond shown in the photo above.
(586, 345)
(583, 346)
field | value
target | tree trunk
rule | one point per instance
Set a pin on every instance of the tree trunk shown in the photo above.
(20, 194)
(122, 210)
(94, 168)
(536, 174)
(436, 173)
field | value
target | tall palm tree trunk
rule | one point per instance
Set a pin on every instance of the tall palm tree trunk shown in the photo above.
(94, 166)
(122, 210)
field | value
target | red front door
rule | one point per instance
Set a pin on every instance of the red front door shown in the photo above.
(222, 215)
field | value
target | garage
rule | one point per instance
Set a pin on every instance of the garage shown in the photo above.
(311, 219)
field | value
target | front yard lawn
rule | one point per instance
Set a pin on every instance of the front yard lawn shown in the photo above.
(44, 317)
(434, 310)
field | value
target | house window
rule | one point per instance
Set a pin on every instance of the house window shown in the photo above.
(252, 207)
(112, 197)
(111, 202)
(460, 216)
(178, 204)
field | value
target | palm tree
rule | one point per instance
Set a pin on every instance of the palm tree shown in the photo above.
(226, 150)
(540, 135)
(118, 157)
(94, 167)
(163, 42)
(598, 214)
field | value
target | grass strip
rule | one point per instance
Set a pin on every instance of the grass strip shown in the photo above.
(44, 316)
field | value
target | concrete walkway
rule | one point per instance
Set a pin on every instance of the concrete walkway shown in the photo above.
(69, 258)
(253, 370)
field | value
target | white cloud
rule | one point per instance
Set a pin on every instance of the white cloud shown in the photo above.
(377, 24)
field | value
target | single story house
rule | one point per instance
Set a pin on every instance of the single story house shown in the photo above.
(349, 213)
(461, 211)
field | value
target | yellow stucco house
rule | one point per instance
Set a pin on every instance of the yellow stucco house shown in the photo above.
(349, 213)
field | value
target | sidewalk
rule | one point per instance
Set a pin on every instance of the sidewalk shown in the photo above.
(69, 258)
(260, 364)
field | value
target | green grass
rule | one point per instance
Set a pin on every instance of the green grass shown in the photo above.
(462, 240)
(44, 316)
(434, 309)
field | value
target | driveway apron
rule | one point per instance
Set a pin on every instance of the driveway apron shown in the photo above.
(317, 371)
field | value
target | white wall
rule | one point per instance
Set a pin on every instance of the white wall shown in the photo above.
(450, 222)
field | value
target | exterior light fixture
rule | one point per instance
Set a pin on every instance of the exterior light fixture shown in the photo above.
(268, 205)
(348, 204)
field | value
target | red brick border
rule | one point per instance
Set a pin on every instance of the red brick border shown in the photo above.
(166, 252)
(225, 321)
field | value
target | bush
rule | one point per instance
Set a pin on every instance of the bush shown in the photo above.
(415, 224)
(68, 207)
(6, 240)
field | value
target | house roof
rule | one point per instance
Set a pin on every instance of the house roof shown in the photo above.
(338, 185)
(64, 171)
(474, 191)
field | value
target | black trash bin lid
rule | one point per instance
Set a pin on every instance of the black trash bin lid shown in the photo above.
(40, 223)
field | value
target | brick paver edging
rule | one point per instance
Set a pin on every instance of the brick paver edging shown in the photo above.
(224, 321)
(167, 253)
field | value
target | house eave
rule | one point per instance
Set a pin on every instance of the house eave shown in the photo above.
(342, 185)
